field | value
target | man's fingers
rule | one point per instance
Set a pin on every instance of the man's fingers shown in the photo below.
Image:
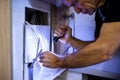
(44, 60)
(41, 56)
(56, 33)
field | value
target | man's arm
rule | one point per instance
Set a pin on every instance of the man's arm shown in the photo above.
(78, 44)
(100, 50)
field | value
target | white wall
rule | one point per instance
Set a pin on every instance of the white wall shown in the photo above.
(18, 18)
(83, 27)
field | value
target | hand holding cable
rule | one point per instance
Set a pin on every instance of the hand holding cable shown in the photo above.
(64, 33)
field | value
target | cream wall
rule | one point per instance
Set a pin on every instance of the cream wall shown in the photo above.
(5, 40)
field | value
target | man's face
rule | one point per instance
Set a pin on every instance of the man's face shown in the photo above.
(83, 6)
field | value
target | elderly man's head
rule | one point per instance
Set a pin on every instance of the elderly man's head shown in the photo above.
(84, 6)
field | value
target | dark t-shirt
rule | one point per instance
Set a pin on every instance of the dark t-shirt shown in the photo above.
(109, 12)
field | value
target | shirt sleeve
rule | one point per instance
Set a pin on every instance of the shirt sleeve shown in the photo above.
(112, 9)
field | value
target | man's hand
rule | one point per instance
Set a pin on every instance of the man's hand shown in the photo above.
(50, 60)
(64, 32)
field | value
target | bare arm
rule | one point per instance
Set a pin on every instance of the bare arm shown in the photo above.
(78, 44)
(98, 51)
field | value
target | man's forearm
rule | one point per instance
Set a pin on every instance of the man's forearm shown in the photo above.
(101, 50)
(78, 44)
(88, 56)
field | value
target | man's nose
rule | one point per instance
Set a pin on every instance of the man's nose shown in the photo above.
(77, 10)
